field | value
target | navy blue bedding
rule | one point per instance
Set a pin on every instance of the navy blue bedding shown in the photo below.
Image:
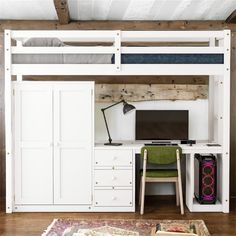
(171, 59)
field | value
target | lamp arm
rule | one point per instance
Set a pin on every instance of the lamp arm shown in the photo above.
(104, 116)
(108, 132)
(103, 109)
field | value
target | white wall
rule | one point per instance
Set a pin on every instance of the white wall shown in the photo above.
(122, 127)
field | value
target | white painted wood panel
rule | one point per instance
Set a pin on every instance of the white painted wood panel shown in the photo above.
(34, 175)
(73, 139)
(113, 157)
(113, 198)
(113, 177)
(72, 182)
(33, 144)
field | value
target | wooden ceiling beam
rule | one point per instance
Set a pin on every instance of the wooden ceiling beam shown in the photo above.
(62, 10)
(197, 80)
(114, 25)
(231, 18)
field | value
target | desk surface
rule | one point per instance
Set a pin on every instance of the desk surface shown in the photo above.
(200, 147)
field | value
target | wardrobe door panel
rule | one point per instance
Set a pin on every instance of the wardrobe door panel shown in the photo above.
(35, 177)
(75, 116)
(73, 177)
(33, 144)
(73, 136)
(36, 116)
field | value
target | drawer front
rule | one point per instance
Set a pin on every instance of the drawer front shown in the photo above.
(113, 177)
(113, 198)
(113, 158)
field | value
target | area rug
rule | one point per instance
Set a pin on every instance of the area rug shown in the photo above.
(72, 227)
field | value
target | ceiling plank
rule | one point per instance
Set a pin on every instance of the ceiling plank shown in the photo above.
(231, 18)
(118, 9)
(62, 10)
(183, 6)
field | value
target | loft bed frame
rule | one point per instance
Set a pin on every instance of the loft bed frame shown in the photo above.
(203, 43)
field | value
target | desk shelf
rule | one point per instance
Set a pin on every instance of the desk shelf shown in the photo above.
(197, 207)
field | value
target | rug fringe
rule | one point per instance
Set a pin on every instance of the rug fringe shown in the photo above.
(49, 228)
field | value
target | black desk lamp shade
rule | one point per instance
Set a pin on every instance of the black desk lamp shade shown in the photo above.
(126, 108)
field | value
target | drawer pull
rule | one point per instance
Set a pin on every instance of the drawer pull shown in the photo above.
(114, 198)
(114, 178)
(96, 162)
(96, 182)
(114, 158)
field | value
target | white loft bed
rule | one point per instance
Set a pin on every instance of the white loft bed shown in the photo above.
(215, 43)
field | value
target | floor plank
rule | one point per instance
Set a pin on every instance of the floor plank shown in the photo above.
(33, 224)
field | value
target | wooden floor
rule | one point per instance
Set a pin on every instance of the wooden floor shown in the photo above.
(33, 224)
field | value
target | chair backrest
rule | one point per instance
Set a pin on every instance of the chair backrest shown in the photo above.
(162, 155)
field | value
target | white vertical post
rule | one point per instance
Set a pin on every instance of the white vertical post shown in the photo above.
(19, 77)
(225, 88)
(8, 121)
(189, 181)
(211, 112)
(118, 50)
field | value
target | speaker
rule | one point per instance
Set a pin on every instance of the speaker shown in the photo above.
(205, 186)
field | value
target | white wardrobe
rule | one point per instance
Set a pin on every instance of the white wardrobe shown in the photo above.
(53, 142)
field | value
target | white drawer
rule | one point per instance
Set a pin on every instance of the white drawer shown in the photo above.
(113, 198)
(113, 177)
(113, 157)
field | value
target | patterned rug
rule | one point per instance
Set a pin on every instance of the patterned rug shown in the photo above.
(69, 227)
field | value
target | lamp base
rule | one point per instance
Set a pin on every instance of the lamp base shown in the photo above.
(113, 144)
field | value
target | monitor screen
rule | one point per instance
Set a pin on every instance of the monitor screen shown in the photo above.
(161, 125)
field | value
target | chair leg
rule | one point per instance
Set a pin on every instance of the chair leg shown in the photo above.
(180, 183)
(181, 196)
(177, 193)
(142, 196)
(140, 191)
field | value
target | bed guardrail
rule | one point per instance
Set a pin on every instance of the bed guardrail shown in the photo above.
(120, 65)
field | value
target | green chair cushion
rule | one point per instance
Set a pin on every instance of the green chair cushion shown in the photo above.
(161, 155)
(161, 173)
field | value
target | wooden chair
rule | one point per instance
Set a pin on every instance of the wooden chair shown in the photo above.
(161, 156)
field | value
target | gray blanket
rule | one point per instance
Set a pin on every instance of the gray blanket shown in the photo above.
(57, 58)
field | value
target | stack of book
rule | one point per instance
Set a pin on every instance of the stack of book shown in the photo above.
(175, 229)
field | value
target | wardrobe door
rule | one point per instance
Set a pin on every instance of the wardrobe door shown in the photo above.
(33, 143)
(73, 138)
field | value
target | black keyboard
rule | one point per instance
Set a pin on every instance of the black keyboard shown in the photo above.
(160, 144)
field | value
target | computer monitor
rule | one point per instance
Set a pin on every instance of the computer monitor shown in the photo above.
(161, 125)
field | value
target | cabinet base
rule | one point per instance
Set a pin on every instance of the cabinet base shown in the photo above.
(70, 208)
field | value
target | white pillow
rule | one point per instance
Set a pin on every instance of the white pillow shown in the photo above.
(43, 42)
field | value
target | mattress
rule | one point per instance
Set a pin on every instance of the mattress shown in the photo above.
(108, 58)
(171, 59)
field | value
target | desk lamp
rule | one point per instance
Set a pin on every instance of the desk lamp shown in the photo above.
(126, 108)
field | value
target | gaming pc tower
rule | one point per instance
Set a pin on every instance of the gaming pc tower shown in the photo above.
(205, 186)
